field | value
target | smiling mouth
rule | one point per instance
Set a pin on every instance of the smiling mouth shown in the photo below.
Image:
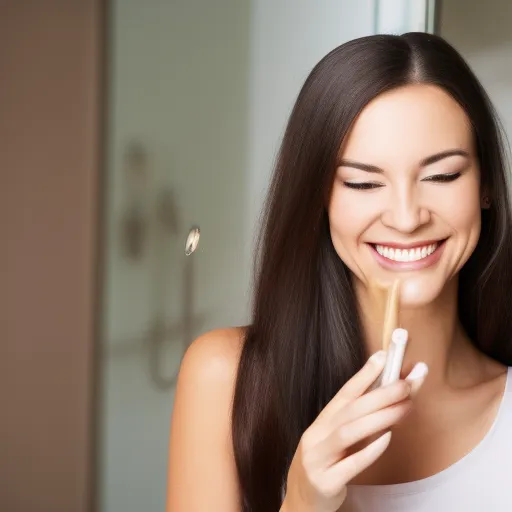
(406, 255)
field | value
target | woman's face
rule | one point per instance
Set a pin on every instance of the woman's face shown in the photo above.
(406, 197)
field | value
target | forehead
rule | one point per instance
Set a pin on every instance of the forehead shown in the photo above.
(406, 125)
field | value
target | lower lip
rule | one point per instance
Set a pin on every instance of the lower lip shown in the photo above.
(428, 261)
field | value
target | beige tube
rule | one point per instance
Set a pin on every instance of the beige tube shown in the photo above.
(394, 339)
(391, 314)
(388, 304)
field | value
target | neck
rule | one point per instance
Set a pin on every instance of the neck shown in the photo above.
(436, 336)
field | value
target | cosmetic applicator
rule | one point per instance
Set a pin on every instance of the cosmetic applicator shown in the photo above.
(394, 339)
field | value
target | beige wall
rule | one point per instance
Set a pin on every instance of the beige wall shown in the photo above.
(49, 156)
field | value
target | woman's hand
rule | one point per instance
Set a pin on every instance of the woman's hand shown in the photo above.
(323, 465)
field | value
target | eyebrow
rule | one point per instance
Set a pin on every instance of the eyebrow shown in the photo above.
(429, 160)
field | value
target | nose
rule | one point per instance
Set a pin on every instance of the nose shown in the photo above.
(405, 213)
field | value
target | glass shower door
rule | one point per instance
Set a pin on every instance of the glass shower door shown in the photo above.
(176, 161)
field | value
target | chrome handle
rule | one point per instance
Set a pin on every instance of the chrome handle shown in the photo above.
(192, 240)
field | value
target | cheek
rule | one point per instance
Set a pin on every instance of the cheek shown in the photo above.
(342, 218)
(349, 217)
(466, 218)
(464, 212)
(460, 210)
(468, 221)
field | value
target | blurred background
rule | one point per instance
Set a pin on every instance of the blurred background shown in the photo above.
(125, 127)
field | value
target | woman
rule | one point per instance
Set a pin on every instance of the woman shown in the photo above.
(391, 167)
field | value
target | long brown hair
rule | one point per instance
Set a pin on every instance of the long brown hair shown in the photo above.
(305, 340)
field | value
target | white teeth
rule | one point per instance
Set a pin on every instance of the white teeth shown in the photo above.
(404, 255)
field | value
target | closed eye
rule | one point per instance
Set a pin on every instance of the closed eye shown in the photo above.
(443, 178)
(365, 185)
(436, 178)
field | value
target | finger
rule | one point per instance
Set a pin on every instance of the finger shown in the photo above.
(357, 385)
(417, 377)
(345, 470)
(352, 433)
(373, 401)
(366, 376)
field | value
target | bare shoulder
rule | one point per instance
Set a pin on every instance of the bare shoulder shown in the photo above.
(208, 374)
(201, 449)
(213, 357)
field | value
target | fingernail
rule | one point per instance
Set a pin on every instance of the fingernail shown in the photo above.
(379, 357)
(419, 371)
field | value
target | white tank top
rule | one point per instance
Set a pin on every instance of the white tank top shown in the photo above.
(479, 482)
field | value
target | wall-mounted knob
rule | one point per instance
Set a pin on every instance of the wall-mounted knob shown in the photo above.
(192, 240)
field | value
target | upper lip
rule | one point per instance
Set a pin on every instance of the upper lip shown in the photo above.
(412, 245)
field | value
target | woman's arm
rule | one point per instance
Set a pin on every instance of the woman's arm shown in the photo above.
(202, 473)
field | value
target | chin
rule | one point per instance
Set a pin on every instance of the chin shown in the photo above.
(419, 292)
